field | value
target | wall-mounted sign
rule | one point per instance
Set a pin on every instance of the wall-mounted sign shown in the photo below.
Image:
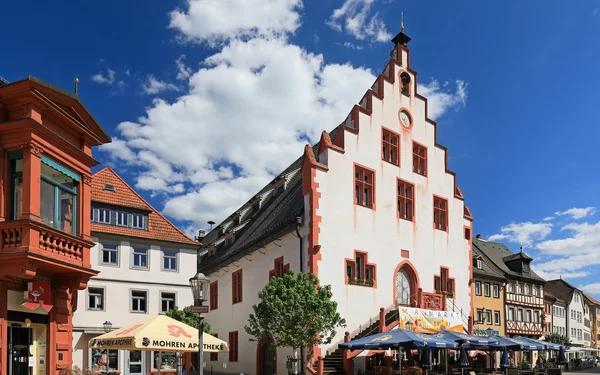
(429, 321)
(38, 295)
(486, 332)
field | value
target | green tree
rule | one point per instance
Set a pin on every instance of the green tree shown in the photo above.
(295, 312)
(186, 316)
(558, 339)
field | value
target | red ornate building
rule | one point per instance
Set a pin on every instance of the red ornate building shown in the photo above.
(46, 140)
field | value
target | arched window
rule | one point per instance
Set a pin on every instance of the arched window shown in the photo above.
(405, 78)
(403, 287)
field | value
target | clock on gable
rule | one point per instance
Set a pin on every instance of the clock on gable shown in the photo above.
(405, 119)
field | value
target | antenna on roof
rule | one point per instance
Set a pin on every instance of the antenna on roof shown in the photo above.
(211, 223)
(521, 250)
(76, 86)
(401, 21)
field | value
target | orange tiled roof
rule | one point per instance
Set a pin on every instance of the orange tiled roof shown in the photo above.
(591, 299)
(159, 228)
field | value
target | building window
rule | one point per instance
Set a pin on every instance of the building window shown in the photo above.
(214, 356)
(168, 361)
(440, 213)
(17, 187)
(480, 316)
(140, 258)
(525, 267)
(233, 346)
(486, 289)
(419, 159)
(58, 198)
(497, 318)
(104, 215)
(122, 218)
(236, 287)
(359, 271)
(520, 315)
(477, 288)
(526, 289)
(169, 262)
(511, 314)
(100, 358)
(488, 317)
(468, 234)
(389, 147)
(406, 200)
(167, 301)
(139, 301)
(536, 317)
(479, 264)
(528, 315)
(214, 295)
(496, 291)
(137, 221)
(364, 186)
(96, 299)
(511, 287)
(110, 254)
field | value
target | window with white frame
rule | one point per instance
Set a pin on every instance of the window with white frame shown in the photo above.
(168, 361)
(486, 289)
(139, 301)
(140, 258)
(137, 221)
(110, 254)
(496, 291)
(122, 218)
(104, 215)
(103, 360)
(477, 288)
(167, 301)
(95, 299)
(497, 318)
(488, 316)
(511, 314)
(169, 261)
(479, 264)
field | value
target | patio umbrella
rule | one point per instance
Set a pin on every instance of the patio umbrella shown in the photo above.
(504, 360)
(464, 339)
(464, 361)
(561, 359)
(398, 338)
(425, 364)
(514, 344)
(548, 345)
(159, 333)
(537, 343)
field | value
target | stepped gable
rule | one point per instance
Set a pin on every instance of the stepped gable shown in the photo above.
(271, 221)
(159, 228)
(497, 252)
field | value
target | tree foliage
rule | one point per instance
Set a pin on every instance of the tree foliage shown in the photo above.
(294, 311)
(186, 316)
(558, 339)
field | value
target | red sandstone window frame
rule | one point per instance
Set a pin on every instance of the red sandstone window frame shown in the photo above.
(237, 287)
(214, 295)
(214, 356)
(443, 283)
(390, 146)
(419, 159)
(364, 191)
(405, 200)
(440, 213)
(233, 346)
(279, 268)
(367, 272)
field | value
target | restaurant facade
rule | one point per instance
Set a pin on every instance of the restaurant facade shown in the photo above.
(46, 141)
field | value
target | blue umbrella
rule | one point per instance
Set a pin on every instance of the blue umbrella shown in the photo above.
(562, 359)
(504, 360)
(466, 340)
(548, 345)
(514, 344)
(425, 364)
(398, 338)
(464, 361)
(538, 344)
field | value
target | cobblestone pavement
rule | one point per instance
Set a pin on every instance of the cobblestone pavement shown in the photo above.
(593, 370)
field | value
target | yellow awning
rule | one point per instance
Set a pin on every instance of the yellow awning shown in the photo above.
(159, 333)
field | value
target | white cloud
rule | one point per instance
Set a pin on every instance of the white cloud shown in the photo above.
(352, 46)
(183, 72)
(106, 79)
(523, 233)
(577, 213)
(549, 218)
(153, 85)
(593, 288)
(356, 18)
(441, 98)
(215, 21)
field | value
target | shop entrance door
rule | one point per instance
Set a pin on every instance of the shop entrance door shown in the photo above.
(135, 362)
(19, 341)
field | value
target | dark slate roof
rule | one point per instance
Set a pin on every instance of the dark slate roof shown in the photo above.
(489, 268)
(560, 289)
(496, 252)
(277, 216)
(517, 256)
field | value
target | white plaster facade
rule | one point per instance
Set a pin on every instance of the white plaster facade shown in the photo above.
(559, 318)
(389, 241)
(575, 322)
(118, 281)
(587, 324)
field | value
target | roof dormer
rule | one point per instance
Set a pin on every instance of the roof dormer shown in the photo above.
(518, 262)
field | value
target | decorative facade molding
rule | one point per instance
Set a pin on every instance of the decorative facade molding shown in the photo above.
(33, 148)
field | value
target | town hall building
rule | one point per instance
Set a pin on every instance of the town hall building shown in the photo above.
(372, 210)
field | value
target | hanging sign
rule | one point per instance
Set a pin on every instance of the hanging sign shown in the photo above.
(429, 321)
(37, 295)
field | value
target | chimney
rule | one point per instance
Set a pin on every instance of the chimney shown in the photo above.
(201, 235)
(478, 236)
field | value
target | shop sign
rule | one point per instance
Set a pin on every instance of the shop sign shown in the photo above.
(429, 321)
(37, 295)
(486, 332)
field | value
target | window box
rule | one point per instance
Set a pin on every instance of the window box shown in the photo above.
(354, 281)
(450, 295)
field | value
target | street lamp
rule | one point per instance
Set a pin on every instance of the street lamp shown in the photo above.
(199, 285)
(107, 328)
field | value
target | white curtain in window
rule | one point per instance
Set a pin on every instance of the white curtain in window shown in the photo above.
(403, 290)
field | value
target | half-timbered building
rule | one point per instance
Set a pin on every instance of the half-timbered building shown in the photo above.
(524, 291)
(372, 210)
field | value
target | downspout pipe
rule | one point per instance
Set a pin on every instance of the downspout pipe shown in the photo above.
(298, 224)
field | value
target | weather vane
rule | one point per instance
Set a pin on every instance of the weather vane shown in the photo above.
(401, 21)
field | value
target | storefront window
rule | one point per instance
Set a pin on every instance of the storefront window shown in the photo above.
(103, 360)
(169, 361)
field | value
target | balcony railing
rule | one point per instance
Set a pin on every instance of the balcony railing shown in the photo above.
(22, 236)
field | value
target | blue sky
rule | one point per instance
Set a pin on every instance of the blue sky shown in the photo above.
(207, 99)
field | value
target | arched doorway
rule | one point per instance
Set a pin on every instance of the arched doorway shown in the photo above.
(266, 359)
(406, 285)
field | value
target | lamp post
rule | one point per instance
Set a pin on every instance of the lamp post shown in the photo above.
(199, 285)
(107, 328)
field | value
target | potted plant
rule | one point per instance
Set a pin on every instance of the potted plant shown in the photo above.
(369, 282)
